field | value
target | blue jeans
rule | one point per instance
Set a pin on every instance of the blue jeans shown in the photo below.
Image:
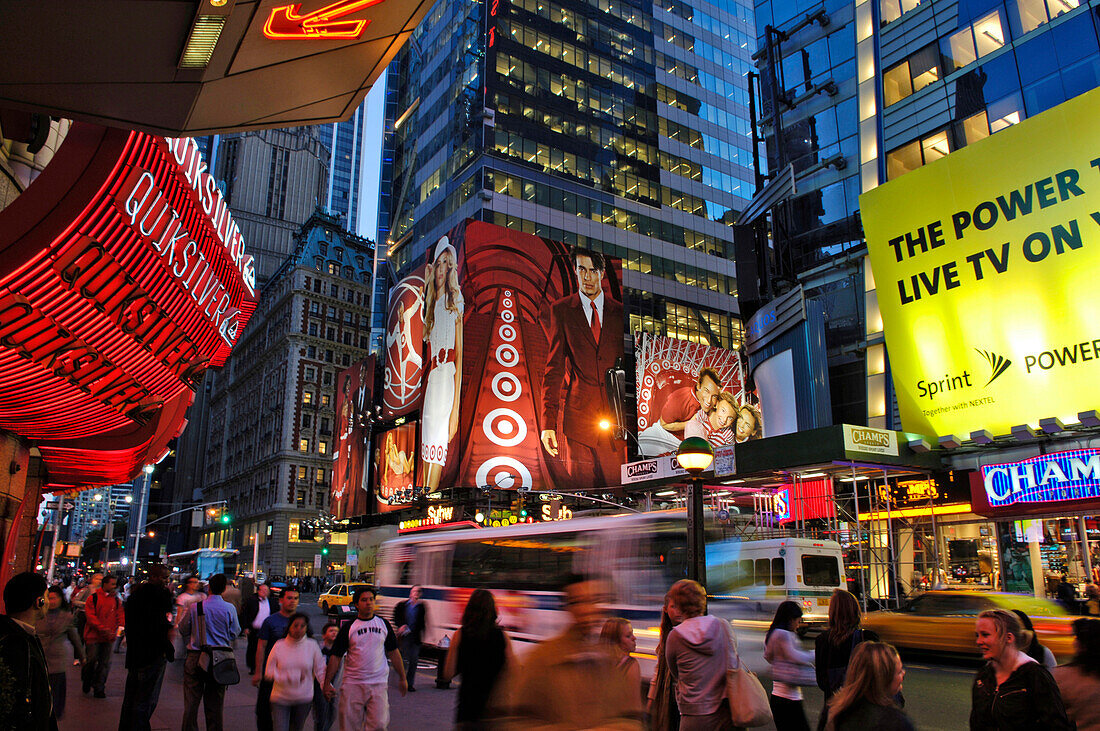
(290, 718)
(410, 653)
(142, 693)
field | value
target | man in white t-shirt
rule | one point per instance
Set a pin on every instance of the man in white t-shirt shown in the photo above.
(368, 641)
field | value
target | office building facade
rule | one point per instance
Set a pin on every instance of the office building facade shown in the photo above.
(856, 94)
(617, 125)
(272, 417)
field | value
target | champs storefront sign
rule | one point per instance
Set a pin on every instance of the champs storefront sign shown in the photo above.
(985, 264)
(122, 279)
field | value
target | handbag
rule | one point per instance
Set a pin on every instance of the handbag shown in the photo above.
(219, 662)
(748, 701)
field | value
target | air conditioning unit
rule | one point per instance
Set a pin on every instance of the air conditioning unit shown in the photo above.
(485, 194)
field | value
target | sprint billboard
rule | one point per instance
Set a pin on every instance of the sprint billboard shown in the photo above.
(986, 264)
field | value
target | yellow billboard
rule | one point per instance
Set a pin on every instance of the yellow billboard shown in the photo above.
(987, 269)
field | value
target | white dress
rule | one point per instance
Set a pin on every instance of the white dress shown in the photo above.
(439, 393)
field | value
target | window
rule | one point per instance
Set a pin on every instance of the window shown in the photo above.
(311, 373)
(325, 399)
(915, 154)
(330, 333)
(307, 397)
(328, 356)
(307, 420)
(891, 10)
(314, 308)
(1030, 14)
(911, 75)
(779, 571)
(331, 312)
(313, 329)
(311, 351)
(345, 360)
(820, 571)
(319, 476)
(325, 425)
(979, 39)
(538, 563)
(333, 268)
(322, 447)
(763, 571)
(326, 378)
(303, 445)
(301, 473)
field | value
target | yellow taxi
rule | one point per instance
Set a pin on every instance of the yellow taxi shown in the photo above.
(943, 621)
(338, 595)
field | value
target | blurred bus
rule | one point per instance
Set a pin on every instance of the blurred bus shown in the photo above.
(640, 555)
(204, 562)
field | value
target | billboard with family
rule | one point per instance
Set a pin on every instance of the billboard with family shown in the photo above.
(689, 389)
(354, 398)
(503, 340)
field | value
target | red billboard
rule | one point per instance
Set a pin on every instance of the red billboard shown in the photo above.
(395, 467)
(517, 333)
(123, 277)
(689, 389)
(354, 397)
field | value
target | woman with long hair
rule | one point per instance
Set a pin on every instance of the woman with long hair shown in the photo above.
(443, 307)
(1012, 690)
(868, 698)
(1079, 680)
(479, 652)
(792, 667)
(833, 648)
(1035, 649)
(61, 643)
(618, 635)
(661, 707)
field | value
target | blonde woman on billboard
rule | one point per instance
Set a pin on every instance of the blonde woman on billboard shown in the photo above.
(443, 332)
(398, 462)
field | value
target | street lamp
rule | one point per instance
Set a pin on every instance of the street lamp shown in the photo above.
(696, 456)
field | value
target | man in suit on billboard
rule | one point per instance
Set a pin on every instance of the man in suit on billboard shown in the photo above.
(586, 339)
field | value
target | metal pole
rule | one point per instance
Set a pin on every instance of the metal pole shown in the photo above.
(859, 542)
(56, 533)
(108, 534)
(141, 519)
(255, 553)
(1086, 558)
(697, 558)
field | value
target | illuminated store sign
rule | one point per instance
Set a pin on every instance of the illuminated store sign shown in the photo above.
(985, 268)
(123, 278)
(1073, 475)
(287, 22)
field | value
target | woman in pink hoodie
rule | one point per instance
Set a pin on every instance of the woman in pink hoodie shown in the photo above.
(699, 651)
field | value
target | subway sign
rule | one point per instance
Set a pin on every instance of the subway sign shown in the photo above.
(1048, 478)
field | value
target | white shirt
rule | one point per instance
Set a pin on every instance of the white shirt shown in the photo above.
(366, 643)
(586, 305)
(263, 613)
(293, 665)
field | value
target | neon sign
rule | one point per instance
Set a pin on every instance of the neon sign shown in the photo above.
(1072, 475)
(286, 21)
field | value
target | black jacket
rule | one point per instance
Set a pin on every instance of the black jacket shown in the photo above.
(416, 630)
(147, 625)
(831, 661)
(864, 716)
(1027, 700)
(252, 608)
(24, 681)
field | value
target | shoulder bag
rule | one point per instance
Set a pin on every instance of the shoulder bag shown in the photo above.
(219, 662)
(749, 707)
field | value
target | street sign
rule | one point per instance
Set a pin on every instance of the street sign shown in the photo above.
(316, 562)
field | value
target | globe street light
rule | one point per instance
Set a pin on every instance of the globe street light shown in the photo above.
(696, 456)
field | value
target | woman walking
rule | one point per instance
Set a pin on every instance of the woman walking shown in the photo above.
(833, 648)
(618, 635)
(294, 663)
(868, 698)
(1079, 680)
(1036, 650)
(698, 651)
(479, 653)
(61, 643)
(792, 667)
(1012, 691)
(661, 707)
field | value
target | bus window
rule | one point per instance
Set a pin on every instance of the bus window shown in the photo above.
(534, 563)
(779, 572)
(744, 573)
(763, 572)
(820, 571)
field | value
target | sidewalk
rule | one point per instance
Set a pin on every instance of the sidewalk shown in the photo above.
(432, 709)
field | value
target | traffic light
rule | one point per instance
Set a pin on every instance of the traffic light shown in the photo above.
(226, 517)
(324, 551)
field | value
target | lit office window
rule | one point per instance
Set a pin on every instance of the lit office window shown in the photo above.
(980, 38)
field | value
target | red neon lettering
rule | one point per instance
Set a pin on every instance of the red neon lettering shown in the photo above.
(286, 22)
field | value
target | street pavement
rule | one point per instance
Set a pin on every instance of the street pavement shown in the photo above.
(937, 692)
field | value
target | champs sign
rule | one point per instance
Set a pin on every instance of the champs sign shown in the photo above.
(986, 263)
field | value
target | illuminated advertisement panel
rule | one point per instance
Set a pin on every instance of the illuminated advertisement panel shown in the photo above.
(354, 397)
(395, 467)
(516, 336)
(1047, 478)
(689, 389)
(123, 277)
(805, 500)
(985, 267)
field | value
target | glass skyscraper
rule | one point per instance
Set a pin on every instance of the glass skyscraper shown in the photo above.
(614, 124)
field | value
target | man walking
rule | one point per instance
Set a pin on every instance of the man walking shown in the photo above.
(274, 629)
(148, 648)
(368, 641)
(80, 598)
(217, 620)
(27, 686)
(257, 608)
(410, 616)
(104, 617)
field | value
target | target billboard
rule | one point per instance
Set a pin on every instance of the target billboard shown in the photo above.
(689, 389)
(502, 340)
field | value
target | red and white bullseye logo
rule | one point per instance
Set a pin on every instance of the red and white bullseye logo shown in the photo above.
(505, 473)
(404, 342)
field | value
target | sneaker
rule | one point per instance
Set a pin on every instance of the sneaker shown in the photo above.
(100, 694)
(412, 689)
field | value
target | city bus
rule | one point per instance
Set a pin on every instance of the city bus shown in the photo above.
(640, 555)
(204, 562)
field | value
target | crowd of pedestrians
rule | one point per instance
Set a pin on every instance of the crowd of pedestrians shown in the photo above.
(586, 677)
